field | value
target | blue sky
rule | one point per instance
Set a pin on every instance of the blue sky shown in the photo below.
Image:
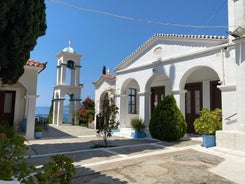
(107, 40)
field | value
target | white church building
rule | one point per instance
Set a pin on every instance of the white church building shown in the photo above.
(200, 71)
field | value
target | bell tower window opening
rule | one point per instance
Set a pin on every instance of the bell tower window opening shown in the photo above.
(70, 72)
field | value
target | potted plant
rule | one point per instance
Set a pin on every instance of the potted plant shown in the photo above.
(138, 125)
(38, 129)
(207, 124)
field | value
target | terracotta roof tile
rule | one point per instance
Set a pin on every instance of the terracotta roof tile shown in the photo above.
(109, 76)
(36, 64)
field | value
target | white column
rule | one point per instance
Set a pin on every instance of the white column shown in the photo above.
(60, 112)
(71, 113)
(31, 105)
(63, 75)
(58, 76)
(55, 105)
(77, 71)
(206, 94)
(144, 107)
(72, 77)
(123, 108)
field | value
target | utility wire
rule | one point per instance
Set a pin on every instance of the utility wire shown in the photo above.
(135, 19)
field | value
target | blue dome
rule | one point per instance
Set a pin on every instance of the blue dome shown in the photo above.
(69, 48)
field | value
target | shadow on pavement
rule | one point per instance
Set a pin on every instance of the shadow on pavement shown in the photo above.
(86, 175)
(54, 133)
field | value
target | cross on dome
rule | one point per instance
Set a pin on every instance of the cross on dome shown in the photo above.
(69, 48)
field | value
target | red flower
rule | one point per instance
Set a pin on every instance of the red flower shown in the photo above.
(3, 136)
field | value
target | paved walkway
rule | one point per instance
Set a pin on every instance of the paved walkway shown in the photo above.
(138, 161)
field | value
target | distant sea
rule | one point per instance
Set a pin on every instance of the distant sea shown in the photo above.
(44, 111)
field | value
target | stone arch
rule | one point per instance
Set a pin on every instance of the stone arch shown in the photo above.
(197, 74)
(200, 86)
(129, 82)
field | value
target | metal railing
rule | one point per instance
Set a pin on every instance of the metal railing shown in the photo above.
(229, 117)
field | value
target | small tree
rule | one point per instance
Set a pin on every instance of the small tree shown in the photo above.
(50, 115)
(167, 122)
(106, 120)
(104, 70)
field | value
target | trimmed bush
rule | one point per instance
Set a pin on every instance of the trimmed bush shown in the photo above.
(167, 122)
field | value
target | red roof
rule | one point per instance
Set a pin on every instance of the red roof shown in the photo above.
(36, 64)
(109, 76)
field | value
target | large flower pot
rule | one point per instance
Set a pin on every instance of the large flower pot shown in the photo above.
(38, 135)
(208, 140)
(138, 134)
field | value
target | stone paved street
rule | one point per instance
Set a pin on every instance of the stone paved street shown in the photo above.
(136, 161)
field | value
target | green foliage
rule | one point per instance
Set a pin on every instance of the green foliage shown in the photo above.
(137, 123)
(50, 115)
(59, 170)
(12, 148)
(38, 126)
(85, 114)
(21, 23)
(209, 121)
(13, 164)
(167, 122)
(106, 120)
(104, 70)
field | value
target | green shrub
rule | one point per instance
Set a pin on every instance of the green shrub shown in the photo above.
(13, 164)
(137, 123)
(12, 148)
(208, 122)
(59, 169)
(167, 122)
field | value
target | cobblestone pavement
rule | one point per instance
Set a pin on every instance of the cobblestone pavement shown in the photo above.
(136, 161)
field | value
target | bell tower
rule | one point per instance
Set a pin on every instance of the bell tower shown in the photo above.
(67, 84)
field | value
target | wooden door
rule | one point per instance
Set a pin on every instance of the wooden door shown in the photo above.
(157, 95)
(215, 96)
(7, 101)
(193, 104)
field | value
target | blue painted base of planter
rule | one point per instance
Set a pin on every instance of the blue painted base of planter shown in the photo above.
(38, 135)
(138, 134)
(209, 141)
(113, 131)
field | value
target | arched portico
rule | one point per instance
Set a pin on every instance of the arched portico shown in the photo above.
(199, 86)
